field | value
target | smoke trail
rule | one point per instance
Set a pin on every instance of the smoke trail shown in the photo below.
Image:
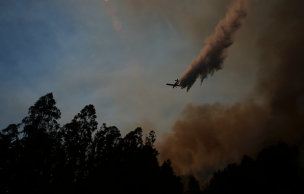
(211, 57)
(208, 136)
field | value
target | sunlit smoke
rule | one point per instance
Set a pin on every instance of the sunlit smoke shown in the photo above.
(213, 54)
(210, 135)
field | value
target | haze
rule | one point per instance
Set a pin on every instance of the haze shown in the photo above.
(118, 56)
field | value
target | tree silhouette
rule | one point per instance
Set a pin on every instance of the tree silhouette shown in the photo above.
(39, 156)
(41, 145)
(170, 183)
(276, 170)
(77, 137)
(37, 148)
(10, 148)
(104, 159)
(193, 186)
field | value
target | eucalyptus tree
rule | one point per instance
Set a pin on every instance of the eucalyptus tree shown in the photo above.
(77, 140)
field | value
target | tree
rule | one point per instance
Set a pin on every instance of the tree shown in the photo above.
(276, 170)
(43, 116)
(104, 158)
(193, 185)
(41, 158)
(106, 140)
(10, 148)
(151, 139)
(77, 139)
(169, 182)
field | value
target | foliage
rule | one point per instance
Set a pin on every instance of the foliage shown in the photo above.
(276, 170)
(39, 156)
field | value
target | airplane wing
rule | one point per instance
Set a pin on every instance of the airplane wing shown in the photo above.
(173, 85)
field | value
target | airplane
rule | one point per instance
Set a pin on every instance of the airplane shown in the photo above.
(175, 84)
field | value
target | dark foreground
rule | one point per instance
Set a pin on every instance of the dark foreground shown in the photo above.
(40, 156)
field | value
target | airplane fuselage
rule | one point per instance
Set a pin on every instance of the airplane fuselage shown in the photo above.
(175, 84)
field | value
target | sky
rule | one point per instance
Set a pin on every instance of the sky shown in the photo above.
(119, 54)
(115, 55)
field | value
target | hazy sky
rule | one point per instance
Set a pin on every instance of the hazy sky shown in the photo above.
(118, 55)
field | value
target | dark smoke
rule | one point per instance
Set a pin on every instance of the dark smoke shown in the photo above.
(213, 54)
(211, 135)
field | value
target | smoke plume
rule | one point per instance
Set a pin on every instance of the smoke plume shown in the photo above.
(211, 135)
(213, 54)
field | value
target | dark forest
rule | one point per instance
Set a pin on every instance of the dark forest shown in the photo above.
(40, 156)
